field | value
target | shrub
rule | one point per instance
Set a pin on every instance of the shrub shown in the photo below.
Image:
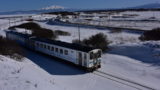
(116, 30)
(97, 41)
(63, 33)
(151, 35)
(44, 33)
(10, 48)
(37, 30)
(30, 25)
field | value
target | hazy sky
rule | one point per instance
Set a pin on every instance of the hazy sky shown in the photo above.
(10, 5)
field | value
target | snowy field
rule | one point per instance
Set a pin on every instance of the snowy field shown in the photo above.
(24, 76)
(115, 38)
(143, 20)
(128, 58)
(6, 23)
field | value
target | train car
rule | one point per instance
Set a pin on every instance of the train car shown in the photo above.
(83, 56)
(20, 38)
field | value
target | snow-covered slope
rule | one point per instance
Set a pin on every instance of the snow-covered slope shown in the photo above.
(148, 6)
(24, 75)
(128, 58)
(136, 61)
(115, 38)
(72, 78)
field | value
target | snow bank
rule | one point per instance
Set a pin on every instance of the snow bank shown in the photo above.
(134, 61)
(24, 76)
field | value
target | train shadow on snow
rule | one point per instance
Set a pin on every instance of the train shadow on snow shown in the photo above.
(52, 66)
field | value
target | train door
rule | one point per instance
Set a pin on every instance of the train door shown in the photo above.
(31, 44)
(85, 59)
(80, 58)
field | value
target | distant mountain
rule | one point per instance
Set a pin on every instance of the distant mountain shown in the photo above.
(56, 8)
(148, 6)
(53, 7)
(37, 11)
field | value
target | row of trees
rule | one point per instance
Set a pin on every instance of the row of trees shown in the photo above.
(38, 31)
(151, 35)
(10, 48)
(99, 41)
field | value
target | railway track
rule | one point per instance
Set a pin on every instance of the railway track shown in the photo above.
(123, 81)
(97, 26)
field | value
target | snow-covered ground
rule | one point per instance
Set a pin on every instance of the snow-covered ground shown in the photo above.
(115, 38)
(72, 78)
(135, 61)
(128, 58)
(24, 75)
(6, 23)
(43, 17)
(3, 23)
(144, 20)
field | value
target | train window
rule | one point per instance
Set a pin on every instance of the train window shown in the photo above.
(41, 45)
(71, 51)
(56, 49)
(66, 52)
(52, 49)
(99, 54)
(48, 47)
(44, 46)
(61, 51)
(37, 44)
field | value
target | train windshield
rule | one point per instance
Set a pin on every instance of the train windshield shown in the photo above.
(95, 55)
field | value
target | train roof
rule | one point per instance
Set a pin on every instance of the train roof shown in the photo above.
(65, 44)
(19, 34)
(55, 42)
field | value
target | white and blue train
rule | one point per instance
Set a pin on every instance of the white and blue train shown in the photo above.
(83, 56)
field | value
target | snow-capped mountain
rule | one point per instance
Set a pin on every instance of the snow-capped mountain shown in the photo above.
(148, 6)
(53, 7)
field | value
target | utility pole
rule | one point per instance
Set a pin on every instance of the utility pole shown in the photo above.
(9, 22)
(14, 21)
(79, 33)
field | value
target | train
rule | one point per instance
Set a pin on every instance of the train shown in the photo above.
(85, 57)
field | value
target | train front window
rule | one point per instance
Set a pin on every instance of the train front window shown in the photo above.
(91, 55)
(99, 54)
(95, 55)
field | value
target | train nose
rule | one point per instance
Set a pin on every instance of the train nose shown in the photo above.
(97, 63)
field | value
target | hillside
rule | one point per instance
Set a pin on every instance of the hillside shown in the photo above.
(148, 6)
